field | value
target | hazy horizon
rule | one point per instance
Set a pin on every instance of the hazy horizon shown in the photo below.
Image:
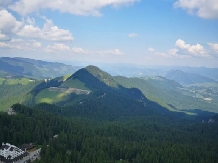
(147, 33)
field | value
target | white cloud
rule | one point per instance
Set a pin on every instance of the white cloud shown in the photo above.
(172, 53)
(10, 26)
(57, 48)
(106, 52)
(20, 44)
(48, 32)
(78, 50)
(99, 52)
(4, 3)
(63, 48)
(4, 37)
(214, 47)
(132, 35)
(78, 7)
(207, 9)
(194, 50)
(30, 21)
(151, 49)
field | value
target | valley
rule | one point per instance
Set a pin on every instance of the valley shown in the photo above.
(91, 116)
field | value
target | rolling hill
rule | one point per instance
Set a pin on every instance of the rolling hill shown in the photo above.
(187, 78)
(34, 68)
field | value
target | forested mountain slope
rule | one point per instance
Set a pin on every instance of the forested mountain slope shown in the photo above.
(167, 93)
(92, 88)
(151, 138)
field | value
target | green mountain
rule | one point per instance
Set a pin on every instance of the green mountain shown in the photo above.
(92, 88)
(187, 78)
(34, 68)
(90, 116)
(168, 93)
(203, 71)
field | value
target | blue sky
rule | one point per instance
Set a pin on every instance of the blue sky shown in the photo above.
(146, 32)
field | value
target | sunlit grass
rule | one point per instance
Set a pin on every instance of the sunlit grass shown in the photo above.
(49, 96)
(75, 83)
(23, 81)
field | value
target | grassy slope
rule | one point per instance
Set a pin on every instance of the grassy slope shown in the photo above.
(22, 81)
(57, 96)
(151, 92)
(74, 83)
(49, 96)
(14, 91)
(165, 94)
(1, 81)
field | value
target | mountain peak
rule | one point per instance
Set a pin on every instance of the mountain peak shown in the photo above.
(90, 72)
(92, 67)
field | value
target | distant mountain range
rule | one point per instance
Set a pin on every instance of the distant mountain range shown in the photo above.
(185, 78)
(91, 87)
(141, 71)
(34, 68)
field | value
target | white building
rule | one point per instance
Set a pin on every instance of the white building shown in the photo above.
(11, 153)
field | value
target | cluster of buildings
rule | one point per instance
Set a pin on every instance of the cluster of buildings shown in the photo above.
(12, 154)
(209, 121)
(11, 111)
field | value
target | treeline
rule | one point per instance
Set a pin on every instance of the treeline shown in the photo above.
(150, 138)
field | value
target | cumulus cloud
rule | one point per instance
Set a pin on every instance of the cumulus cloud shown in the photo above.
(207, 9)
(57, 48)
(20, 44)
(132, 35)
(79, 50)
(99, 52)
(78, 7)
(214, 47)
(4, 3)
(30, 21)
(4, 37)
(9, 25)
(64, 48)
(151, 49)
(26, 28)
(172, 53)
(48, 32)
(194, 50)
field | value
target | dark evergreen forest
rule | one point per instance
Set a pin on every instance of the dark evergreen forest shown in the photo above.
(82, 138)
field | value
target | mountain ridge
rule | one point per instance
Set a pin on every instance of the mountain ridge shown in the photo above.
(35, 68)
(185, 78)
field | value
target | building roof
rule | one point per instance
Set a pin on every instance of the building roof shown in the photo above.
(15, 159)
(27, 146)
(4, 147)
(12, 148)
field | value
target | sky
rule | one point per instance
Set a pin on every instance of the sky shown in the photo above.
(139, 32)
